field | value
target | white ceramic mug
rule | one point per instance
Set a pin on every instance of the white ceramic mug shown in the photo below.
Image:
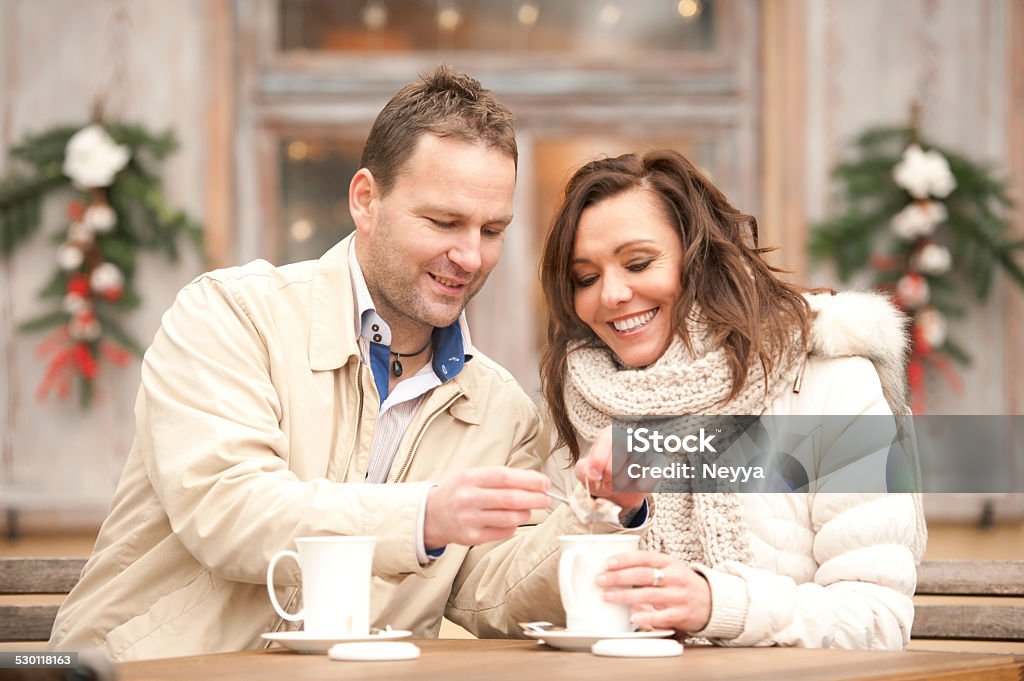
(336, 584)
(584, 557)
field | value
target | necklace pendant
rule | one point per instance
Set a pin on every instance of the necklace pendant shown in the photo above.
(396, 368)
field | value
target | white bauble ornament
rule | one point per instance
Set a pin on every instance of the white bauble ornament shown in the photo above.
(69, 257)
(933, 259)
(100, 217)
(932, 326)
(80, 233)
(84, 327)
(106, 277)
(76, 303)
(912, 290)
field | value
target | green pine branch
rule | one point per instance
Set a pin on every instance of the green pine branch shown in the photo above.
(111, 327)
(45, 151)
(45, 321)
(956, 351)
(21, 200)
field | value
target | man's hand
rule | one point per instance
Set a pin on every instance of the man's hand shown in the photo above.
(597, 471)
(481, 505)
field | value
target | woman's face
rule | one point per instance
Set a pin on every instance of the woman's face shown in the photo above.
(626, 272)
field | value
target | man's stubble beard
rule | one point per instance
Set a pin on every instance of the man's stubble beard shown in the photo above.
(397, 295)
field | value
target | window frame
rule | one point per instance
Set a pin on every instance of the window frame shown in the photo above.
(700, 95)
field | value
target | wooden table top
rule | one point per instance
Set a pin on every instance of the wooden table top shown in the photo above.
(498, 660)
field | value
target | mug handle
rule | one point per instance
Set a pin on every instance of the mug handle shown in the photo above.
(270, 585)
(566, 566)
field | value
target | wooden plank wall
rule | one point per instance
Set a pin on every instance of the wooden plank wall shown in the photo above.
(55, 58)
(866, 62)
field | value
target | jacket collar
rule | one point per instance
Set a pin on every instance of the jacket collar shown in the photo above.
(332, 333)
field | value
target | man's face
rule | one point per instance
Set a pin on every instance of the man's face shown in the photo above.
(427, 246)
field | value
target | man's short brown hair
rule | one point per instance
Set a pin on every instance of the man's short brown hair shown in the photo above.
(445, 103)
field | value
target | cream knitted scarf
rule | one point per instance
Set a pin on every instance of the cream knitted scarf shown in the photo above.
(696, 528)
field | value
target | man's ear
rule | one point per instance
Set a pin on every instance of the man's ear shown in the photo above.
(363, 198)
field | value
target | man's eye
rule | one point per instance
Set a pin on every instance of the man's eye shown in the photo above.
(493, 233)
(442, 224)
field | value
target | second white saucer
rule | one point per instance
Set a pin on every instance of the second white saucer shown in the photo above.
(581, 641)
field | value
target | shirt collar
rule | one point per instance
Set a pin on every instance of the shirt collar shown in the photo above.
(452, 344)
(366, 313)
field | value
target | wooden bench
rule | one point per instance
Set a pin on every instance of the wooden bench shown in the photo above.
(24, 576)
(989, 590)
(964, 579)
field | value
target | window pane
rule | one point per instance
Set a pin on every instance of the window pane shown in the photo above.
(596, 28)
(315, 173)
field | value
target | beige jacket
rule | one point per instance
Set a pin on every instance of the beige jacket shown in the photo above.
(254, 423)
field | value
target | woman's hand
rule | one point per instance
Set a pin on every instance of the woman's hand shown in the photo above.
(662, 592)
(597, 472)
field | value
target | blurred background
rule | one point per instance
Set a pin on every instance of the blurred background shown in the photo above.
(270, 102)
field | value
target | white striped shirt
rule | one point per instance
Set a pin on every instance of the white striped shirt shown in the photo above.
(400, 407)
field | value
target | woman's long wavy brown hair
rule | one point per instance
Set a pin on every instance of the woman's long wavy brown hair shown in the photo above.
(748, 309)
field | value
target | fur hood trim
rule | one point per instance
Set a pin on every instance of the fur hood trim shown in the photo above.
(859, 323)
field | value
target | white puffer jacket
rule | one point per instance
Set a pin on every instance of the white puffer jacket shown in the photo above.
(829, 570)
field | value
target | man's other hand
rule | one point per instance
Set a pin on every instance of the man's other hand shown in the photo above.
(481, 505)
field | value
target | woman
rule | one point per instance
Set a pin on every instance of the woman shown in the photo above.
(660, 302)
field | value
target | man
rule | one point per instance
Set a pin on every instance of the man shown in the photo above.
(275, 401)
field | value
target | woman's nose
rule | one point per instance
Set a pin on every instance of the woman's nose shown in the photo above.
(615, 291)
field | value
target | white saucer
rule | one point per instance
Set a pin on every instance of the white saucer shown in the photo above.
(301, 642)
(373, 652)
(582, 641)
(648, 647)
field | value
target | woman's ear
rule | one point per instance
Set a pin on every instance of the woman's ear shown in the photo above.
(363, 196)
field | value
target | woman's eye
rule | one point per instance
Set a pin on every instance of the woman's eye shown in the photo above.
(638, 266)
(584, 282)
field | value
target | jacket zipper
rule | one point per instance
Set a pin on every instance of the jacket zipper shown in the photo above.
(419, 433)
(355, 431)
(344, 474)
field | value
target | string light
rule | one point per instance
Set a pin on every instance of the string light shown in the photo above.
(449, 18)
(689, 9)
(375, 16)
(301, 230)
(528, 14)
(298, 150)
(610, 14)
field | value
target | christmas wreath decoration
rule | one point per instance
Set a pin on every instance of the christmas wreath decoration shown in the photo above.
(923, 222)
(115, 210)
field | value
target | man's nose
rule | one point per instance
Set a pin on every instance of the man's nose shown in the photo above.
(465, 252)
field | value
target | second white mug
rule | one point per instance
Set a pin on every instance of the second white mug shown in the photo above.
(584, 557)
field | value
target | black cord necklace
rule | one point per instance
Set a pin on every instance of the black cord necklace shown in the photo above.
(396, 364)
